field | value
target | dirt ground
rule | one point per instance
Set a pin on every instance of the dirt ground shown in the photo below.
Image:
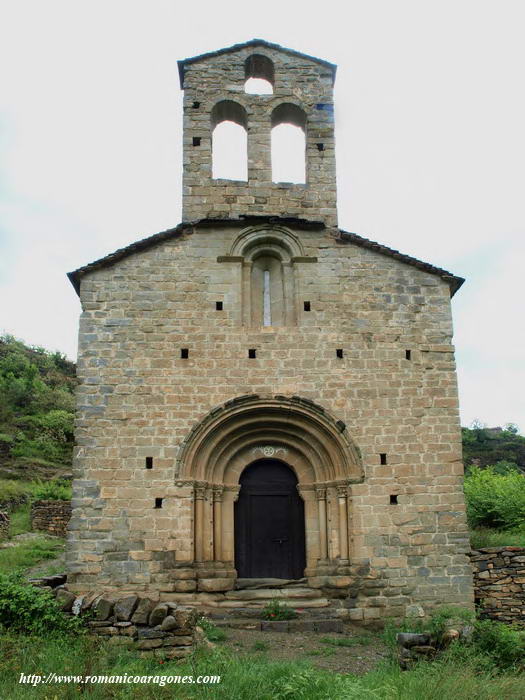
(361, 653)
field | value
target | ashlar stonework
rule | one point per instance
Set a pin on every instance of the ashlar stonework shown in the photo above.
(256, 338)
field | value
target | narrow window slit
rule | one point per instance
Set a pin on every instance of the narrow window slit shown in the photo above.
(184, 353)
(393, 499)
(267, 302)
(196, 140)
(158, 502)
(149, 462)
(252, 353)
(320, 146)
(218, 306)
(408, 354)
(339, 352)
(196, 105)
(382, 457)
(307, 306)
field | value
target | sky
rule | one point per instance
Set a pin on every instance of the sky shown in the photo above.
(430, 139)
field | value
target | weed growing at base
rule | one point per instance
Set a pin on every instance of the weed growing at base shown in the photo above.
(275, 610)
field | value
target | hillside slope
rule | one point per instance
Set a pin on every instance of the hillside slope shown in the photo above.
(36, 411)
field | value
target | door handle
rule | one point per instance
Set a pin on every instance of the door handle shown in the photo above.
(280, 539)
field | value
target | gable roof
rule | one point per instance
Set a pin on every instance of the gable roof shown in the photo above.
(453, 281)
(253, 42)
(75, 277)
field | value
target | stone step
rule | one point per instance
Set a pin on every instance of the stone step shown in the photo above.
(253, 614)
(259, 604)
(302, 625)
(243, 583)
(273, 593)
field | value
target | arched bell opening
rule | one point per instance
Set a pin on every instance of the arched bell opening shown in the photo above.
(269, 523)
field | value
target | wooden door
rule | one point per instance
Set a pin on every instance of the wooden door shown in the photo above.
(269, 523)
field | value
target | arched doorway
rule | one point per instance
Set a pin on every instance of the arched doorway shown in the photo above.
(310, 443)
(269, 523)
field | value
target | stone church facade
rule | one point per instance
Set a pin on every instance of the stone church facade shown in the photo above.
(263, 395)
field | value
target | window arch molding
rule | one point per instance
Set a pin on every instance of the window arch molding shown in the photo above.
(251, 238)
(268, 278)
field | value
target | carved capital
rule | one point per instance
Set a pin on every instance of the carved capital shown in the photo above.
(200, 492)
(320, 492)
(233, 489)
(341, 491)
(217, 494)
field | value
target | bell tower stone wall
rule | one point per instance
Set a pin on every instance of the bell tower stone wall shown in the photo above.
(302, 95)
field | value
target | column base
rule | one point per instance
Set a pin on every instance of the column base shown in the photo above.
(215, 576)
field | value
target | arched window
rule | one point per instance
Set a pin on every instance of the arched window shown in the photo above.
(267, 293)
(229, 141)
(288, 144)
(259, 75)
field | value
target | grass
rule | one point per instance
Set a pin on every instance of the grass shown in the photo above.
(321, 652)
(347, 641)
(260, 646)
(30, 553)
(488, 537)
(20, 520)
(30, 490)
(212, 632)
(10, 489)
(243, 678)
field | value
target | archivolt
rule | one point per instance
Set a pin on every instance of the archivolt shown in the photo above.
(317, 446)
(257, 238)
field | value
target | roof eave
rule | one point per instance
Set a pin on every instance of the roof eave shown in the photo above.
(75, 277)
(454, 282)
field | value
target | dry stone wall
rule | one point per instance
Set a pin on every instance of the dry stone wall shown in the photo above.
(51, 516)
(499, 582)
(166, 630)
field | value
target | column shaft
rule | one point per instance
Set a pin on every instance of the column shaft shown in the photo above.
(217, 526)
(343, 527)
(199, 525)
(323, 541)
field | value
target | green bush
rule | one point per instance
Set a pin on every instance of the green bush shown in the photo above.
(503, 644)
(488, 537)
(495, 500)
(36, 403)
(24, 607)
(448, 617)
(48, 435)
(57, 490)
(275, 610)
(14, 490)
(492, 647)
(485, 446)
